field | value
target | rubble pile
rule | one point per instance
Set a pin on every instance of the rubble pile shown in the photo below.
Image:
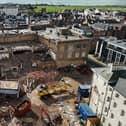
(43, 77)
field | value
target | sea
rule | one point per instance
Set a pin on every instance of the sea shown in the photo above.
(68, 2)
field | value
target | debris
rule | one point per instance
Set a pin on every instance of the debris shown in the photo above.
(15, 122)
(42, 76)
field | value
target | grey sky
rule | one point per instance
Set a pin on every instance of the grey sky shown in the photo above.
(70, 2)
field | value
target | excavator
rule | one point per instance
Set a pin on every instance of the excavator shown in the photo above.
(44, 90)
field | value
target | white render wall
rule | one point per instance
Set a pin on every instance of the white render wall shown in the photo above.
(114, 111)
(98, 94)
(103, 106)
(10, 11)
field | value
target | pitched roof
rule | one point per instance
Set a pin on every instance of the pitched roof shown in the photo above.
(121, 86)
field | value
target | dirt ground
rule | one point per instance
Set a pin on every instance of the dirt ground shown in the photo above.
(64, 103)
(60, 102)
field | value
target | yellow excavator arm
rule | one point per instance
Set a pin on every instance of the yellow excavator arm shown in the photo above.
(50, 90)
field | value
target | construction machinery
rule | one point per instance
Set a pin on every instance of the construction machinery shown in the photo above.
(20, 110)
(23, 108)
(50, 118)
(83, 92)
(43, 89)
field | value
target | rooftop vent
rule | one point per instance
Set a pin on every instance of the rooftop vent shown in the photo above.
(124, 40)
(50, 31)
(119, 42)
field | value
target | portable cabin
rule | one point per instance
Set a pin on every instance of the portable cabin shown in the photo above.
(85, 111)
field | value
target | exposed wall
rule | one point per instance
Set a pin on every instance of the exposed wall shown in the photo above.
(18, 38)
(71, 50)
(67, 52)
(50, 43)
(69, 62)
(98, 94)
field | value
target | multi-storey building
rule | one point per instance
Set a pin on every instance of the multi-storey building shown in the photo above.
(65, 48)
(108, 96)
(111, 50)
(9, 10)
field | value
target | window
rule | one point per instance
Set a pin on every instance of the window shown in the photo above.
(106, 109)
(83, 46)
(124, 102)
(70, 48)
(61, 48)
(78, 46)
(112, 115)
(110, 89)
(115, 105)
(102, 93)
(116, 28)
(103, 120)
(109, 57)
(117, 95)
(119, 49)
(122, 60)
(108, 98)
(95, 87)
(83, 54)
(69, 55)
(122, 113)
(61, 56)
(119, 123)
(117, 59)
(77, 54)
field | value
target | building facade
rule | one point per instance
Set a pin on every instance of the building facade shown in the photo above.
(111, 50)
(108, 101)
(66, 49)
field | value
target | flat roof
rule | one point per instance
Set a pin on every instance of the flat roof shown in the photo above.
(103, 71)
(42, 22)
(119, 43)
(13, 85)
(100, 26)
(104, 26)
(85, 110)
(54, 36)
(16, 32)
(115, 42)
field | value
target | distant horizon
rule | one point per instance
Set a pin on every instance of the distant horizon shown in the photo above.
(69, 2)
(46, 4)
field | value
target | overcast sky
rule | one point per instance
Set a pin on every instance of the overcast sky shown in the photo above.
(70, 2)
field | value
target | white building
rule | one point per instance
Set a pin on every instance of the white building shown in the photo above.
(111, 50)
(9, 10)
(109, 100)
(9, 88)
